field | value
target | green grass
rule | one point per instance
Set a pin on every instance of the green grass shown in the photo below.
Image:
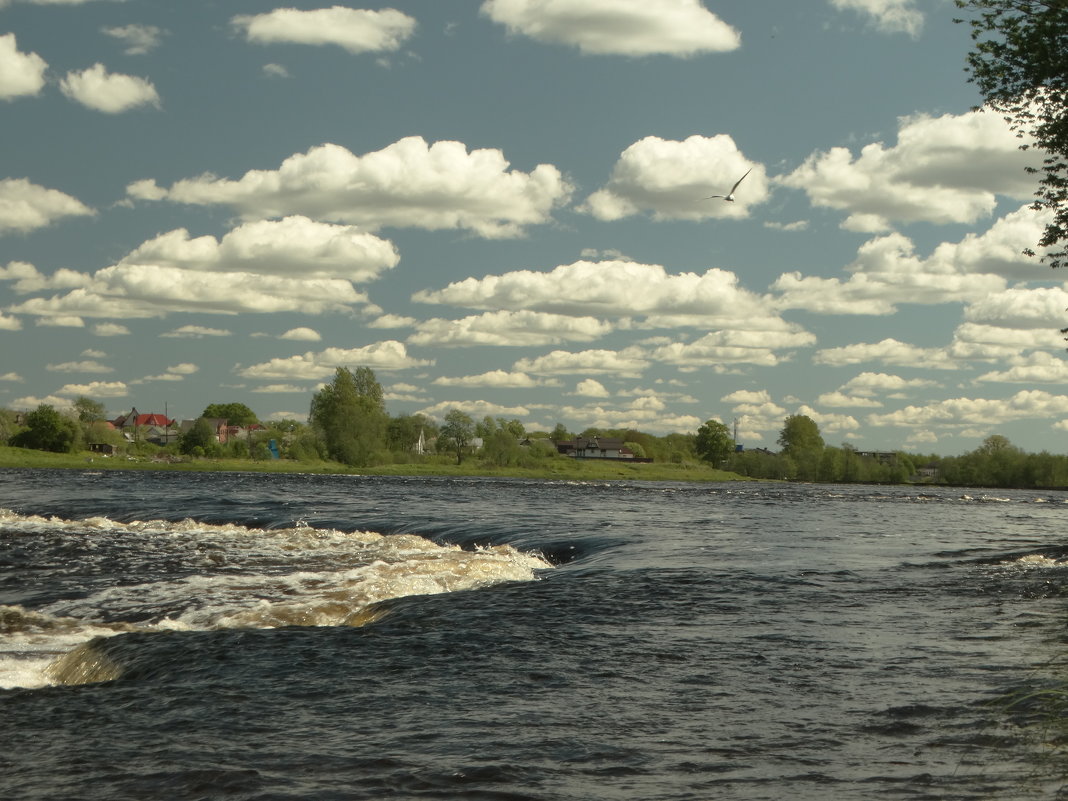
(561, 468)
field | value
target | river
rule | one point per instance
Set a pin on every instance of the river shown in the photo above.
(168, 635)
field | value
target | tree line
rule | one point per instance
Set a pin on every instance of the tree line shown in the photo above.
(348, 423)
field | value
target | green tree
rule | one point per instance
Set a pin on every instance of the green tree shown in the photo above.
(199, 440)
(48, 430)
(501, 448)
(714, 442)
(89, 410)
(560, 433)
(1019, 62)
(235, 414)
(802, 444)
(350, 415)
(456, 434)
(402, 432)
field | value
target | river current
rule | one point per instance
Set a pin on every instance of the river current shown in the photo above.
(176, 636)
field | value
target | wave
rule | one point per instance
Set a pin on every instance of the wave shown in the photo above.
(192, 576)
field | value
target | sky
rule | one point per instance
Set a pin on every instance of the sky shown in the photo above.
(504, 207)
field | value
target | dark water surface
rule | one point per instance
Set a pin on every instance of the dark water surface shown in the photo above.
(227, 636)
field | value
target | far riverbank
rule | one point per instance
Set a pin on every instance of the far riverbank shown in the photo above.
(558, 468)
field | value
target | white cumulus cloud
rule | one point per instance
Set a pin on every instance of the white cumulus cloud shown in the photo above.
(509, 328)
(111, 93)
(618, 27)
(25, 206)
(673, 180)
(356, 30)
(928, 175)
(617, 290)
(21, 74)
(409, 183)
(388, 355)
(294, 246)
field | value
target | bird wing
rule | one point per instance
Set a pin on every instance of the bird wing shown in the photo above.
(741, 179)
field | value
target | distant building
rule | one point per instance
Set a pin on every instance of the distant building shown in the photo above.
(882, 457)
(596, 448)
(155, 428)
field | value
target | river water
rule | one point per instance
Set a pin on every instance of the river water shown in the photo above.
(177, 636)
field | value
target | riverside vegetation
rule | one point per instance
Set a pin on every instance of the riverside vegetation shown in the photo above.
(349, 431)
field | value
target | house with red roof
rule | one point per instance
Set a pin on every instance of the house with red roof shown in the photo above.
(147, 427)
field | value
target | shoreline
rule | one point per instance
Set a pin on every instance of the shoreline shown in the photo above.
(561, 469)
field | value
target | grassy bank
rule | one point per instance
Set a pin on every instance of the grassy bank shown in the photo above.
(557, 468)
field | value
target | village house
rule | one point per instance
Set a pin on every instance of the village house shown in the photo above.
(154, 428)
(595, 448)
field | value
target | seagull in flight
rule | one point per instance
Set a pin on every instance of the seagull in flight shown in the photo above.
(729, 197)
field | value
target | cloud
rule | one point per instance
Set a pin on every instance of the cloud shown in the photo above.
(591, 388)
(406, 184)
(185, 368)
(295, 247)
(500, 379)
(176, 372)
(392, 321)
(25, 206)
(883, 384)
(32, 402)
(1000, 249)
(673, 180)
(21, 74)
(279, 389)
(888, 351)
(302, 334)
(96, 389)
(9, 323)
(998, 344)
(643, 416)
(839, 399)
(356, 30)
(111, 93)
(628, 364)
(830, 423)
(721, 349)
(985, 413)
(294, 265)
(1036, 368)
(139, 39)
(886, 273)
(477, 409)
(617, 290)
(509, 328)
(196, 332)
(388, 355)
(621, 27)
(1021, 307)
(14, 377)
(889, 16)
(929, 175)
(28, 279)
(110, 330)
(275, 71)
(80, 367)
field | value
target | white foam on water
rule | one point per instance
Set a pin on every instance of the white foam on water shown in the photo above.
(243, 578)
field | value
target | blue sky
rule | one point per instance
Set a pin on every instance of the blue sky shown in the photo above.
(502, 206)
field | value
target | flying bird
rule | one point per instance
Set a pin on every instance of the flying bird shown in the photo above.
(729, 197)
